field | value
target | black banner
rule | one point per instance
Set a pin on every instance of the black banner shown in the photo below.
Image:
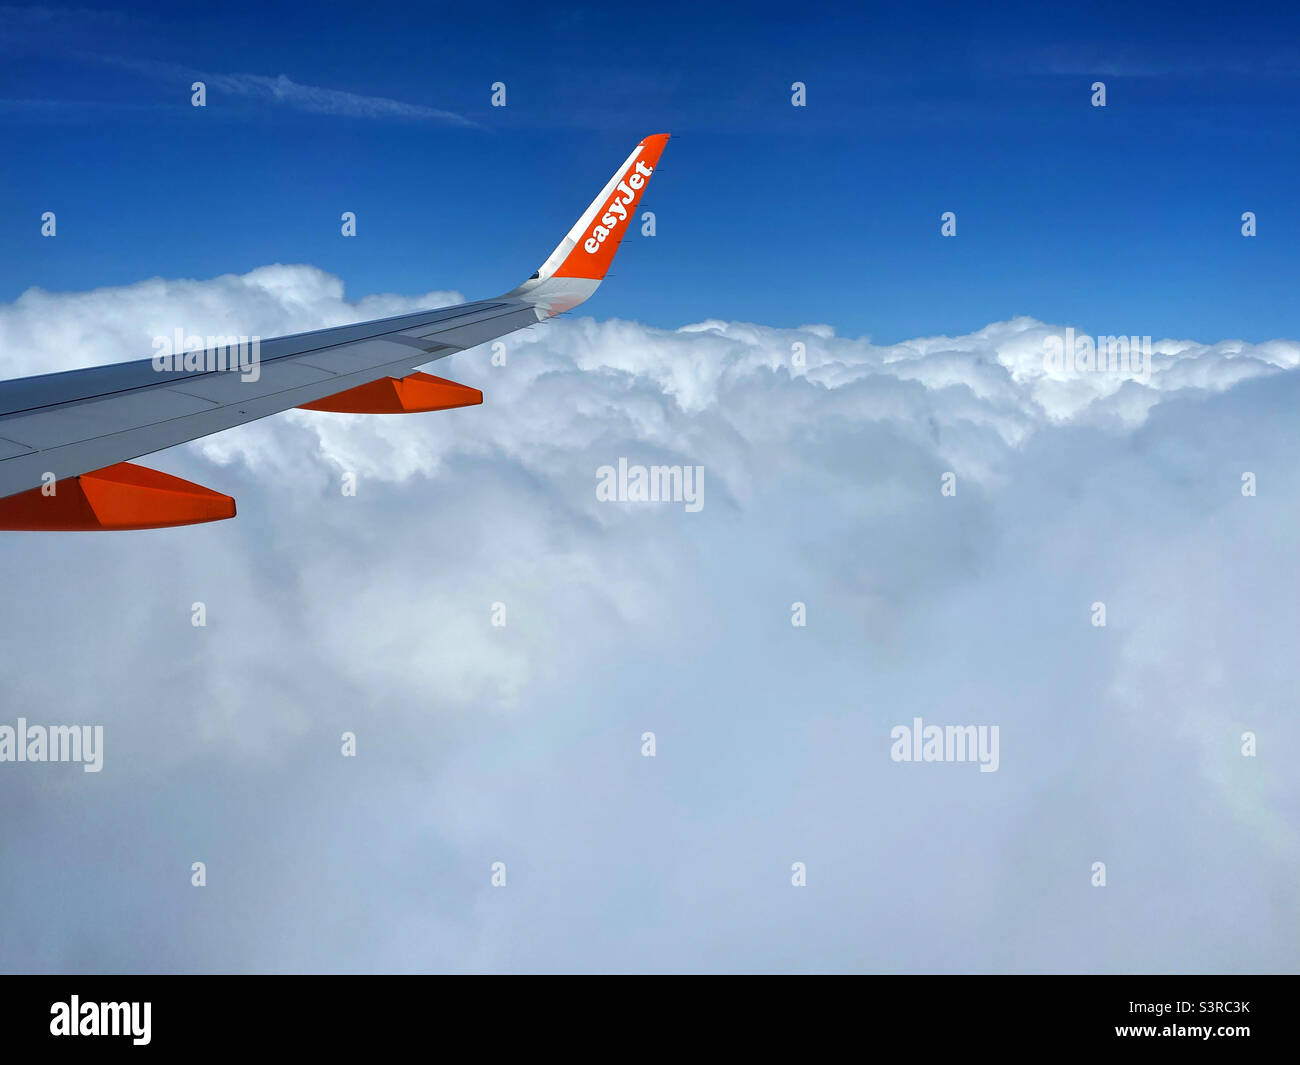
(1222, 1015)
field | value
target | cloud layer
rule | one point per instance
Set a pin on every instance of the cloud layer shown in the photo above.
(823, 459)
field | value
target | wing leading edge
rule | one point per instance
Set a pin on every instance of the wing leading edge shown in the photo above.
(72, 433)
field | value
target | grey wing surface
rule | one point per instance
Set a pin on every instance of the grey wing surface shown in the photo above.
(82, 420)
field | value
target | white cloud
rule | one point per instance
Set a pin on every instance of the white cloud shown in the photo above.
(521, 743)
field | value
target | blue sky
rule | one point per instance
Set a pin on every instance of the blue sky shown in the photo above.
(1124, 219)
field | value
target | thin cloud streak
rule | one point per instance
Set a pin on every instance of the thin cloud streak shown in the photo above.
(281, 89)
(320, 100)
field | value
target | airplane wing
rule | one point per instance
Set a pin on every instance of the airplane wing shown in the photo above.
(65, 438)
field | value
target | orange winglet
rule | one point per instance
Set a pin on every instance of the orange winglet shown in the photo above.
(123, 496)
(400, 395)
(609, 224)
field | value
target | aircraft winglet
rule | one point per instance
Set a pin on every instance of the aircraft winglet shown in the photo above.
(580, 261)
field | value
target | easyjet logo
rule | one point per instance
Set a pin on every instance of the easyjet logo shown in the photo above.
(616, 212)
